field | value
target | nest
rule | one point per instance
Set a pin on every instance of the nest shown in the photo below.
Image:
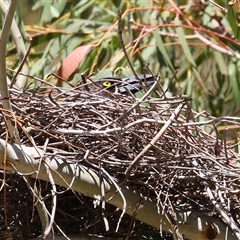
(154, 145)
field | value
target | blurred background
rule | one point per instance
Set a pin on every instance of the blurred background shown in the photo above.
(198, 39)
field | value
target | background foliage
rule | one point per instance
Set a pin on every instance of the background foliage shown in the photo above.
(193, 37)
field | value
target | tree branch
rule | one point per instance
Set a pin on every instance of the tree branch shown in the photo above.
(27, 160)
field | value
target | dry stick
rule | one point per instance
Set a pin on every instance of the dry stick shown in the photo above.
(209, 43)
(219, 6)
(54, 203)
(104, 208)
(139, 205)
(24, 61)
(141, 99)
(35, 78)
(122, 44)
(173, 220)
(13, 133)
(94, 166)
(154, 140)
(3, 185)
(224, 215)
(158, 80)
(225, 146)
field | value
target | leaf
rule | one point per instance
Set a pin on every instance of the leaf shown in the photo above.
(234, 81)
(221, 63)
(72, 61)
(161, 46)
(55, 13)
(187, 52)
(232, 18)
(104, 73)
(183, 42)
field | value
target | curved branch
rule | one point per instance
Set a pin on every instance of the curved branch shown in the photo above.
(27, 160)
(13, 133)
(3, 78)
(21, 48)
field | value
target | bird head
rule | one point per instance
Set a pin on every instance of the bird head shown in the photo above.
(125, 85)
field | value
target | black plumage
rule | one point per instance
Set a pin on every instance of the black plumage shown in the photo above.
(125, 85)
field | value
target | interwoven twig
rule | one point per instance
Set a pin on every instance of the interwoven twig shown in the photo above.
(166, 153)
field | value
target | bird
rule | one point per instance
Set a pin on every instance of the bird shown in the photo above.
(124, 86)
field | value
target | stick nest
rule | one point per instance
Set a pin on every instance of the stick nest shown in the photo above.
(156, 145)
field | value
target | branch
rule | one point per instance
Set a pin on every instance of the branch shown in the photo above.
(13, 133)
(3, 78)
(26, 160)
(21, 49)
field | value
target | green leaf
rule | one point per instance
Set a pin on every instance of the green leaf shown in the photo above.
(161, 46)
(104, 73)
(221, 63)
(187, 52)
(55, 13)
(234, 81)
(232, 18)
(183, 42)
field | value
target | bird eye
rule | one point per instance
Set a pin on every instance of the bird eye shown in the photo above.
(107, 84)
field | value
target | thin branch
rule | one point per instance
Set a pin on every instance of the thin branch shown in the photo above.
(3, 78)
(224, 215)
(21, 49)
(54, 202)
(154, 140)
(123, 46)
(21, 81)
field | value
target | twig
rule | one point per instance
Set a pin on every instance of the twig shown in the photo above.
(219, 6)
(154, 140)
(123, 46)
(224, 215)
(114, 183)
(21, 83)
(54, 203)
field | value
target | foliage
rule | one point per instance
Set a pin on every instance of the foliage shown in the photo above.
(193, 37)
